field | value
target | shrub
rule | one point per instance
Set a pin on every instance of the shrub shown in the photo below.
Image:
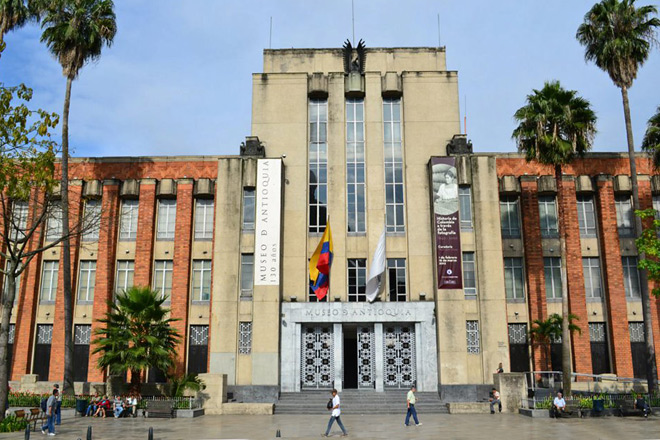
(12, 424)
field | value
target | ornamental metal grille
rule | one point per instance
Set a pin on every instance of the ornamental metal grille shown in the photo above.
(597, 332)
(473, 343)
(317, 369)
(44, 334)
(366, 357)
(636, 331)
(399, 356)
(245, 338)
(12, 333)
(82, 334)
(199, 335)
(517, 333)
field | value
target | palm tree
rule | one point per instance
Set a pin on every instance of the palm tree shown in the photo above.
(555, 127)
(136, 335)
(75, 32)
(16, 13)
(179, 385)
(544, 332)
(651, 142)
(618, 37)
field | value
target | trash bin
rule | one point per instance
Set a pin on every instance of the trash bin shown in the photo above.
(81, 406)
(599, 406)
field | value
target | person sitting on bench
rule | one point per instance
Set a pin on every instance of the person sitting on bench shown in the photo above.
(641, 404)
(559, 406)
(495, 400)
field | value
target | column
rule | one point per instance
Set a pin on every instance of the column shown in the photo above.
(338, 352)
(144, 243)
(105, 266)
(379, 373)
(419, 357)
(617, 307)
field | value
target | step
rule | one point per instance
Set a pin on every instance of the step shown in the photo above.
(358, 402)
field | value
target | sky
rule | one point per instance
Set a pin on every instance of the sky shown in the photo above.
(177, 79)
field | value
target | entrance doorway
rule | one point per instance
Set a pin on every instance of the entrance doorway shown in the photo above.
(350, 358)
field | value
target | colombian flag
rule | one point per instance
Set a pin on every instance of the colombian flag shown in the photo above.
(319, 265)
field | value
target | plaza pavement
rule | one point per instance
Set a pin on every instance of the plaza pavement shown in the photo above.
(441, 426)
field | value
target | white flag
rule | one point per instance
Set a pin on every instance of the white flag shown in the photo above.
(377, 270)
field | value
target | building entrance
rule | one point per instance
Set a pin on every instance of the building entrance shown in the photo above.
(350, 358)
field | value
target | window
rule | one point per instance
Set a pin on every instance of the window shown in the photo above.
(465, 204)
(513, 278)
(396, 275)
(49, 280)
(203, 219)
(247, 276)
(129, 220)
(201, 280)
(592, 281)
(86, 281)
(249, 202)
(166, 219)
(600, 356)
(124, 279)
(19, 215)
(469, 274)
(586, 215)
(318, 165)
(631, 277)
(355, 167)
(82, 337)
(357, 279)
(548, 213)
(5, 286)
(198, 349)
(509, 217)
(163, 278)
(473, 343)
(552, 270)
(624, 215)
(394, 217)
(92, 220)
(41, 361)
(245, 338)
(54, 222)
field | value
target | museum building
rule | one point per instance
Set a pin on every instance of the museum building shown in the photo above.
(365, 140)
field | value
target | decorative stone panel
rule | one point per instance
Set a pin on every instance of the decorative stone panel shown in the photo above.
(166, 189)
(92, 189)
(354, 85)
(204, 188)
(464, 170)
(584, 184)
(130, 189)
(391, 85)
(622, 184)
(317, 85)
(546, 185)
(509, 185)
(655, 184)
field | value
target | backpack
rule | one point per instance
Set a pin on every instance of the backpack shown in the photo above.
(44, 403)
(329, 405)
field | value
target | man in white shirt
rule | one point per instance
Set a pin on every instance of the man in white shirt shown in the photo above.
(495, 400)
(558, 405)
(336, 412)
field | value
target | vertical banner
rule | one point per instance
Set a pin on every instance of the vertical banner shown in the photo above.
(446, 223)
(267, 225)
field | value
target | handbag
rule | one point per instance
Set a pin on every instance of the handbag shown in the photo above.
(329, 405)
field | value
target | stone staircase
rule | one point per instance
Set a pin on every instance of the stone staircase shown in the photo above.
(359, 402)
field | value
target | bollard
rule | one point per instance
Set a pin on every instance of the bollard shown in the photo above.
(151, 433)
(278, 434)
(27, 432)
(89, 433)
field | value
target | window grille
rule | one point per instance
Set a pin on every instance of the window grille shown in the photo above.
(636, 331)
(517, 333)
(82, 334)
(44, 333)
(199, 335)
(245, 338)
(473, 341)
(597, 332)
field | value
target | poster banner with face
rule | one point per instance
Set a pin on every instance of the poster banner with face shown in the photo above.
(267, 225)
(446, 225)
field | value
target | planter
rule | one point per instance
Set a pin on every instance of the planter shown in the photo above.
(189, 413)
(535, 413)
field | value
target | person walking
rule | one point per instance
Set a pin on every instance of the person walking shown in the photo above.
(335, 406)
(51, 408)
(411, 400)
(58, 409)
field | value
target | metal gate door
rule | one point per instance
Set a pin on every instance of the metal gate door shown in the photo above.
(366, 357)
(317, 357)
(399, 356)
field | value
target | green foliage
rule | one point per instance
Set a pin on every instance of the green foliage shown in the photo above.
(27, 399)
(618, 38)
(651, 142)
(12, 424)
(178, 385)
(76, 31)
(555, 125)
(136, 333)
(27, 151)
(649, 244)
(543, 332)
(544, 404)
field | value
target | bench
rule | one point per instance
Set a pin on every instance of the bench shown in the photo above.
(160, 408)
(36, 415)
(627, 408)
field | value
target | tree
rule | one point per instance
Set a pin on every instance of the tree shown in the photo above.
(618, 37)
(651, 142)
(555, 127)
(179, 385)
(648, 244)
(16, 13)
(545, 332)
(75, 32)
(136, 335)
